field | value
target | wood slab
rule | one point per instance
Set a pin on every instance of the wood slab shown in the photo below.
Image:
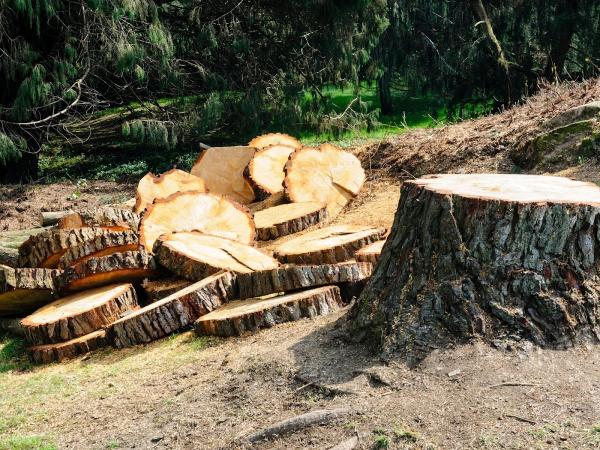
(105, 244)
(151, 187)
(266, 140)
(158, 289)
(371, 252)
(23, 290)
(48, 353)
(273, 223)
(265, 170)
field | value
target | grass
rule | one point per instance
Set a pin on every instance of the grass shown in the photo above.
(12, 355)
(27, 443)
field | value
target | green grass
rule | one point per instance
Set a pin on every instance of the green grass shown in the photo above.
(13, 355)
(27, 443)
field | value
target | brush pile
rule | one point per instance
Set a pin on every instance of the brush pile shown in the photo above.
(201, 249)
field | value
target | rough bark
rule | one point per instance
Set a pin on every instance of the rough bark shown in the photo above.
(292, 277)
(105, 244)
(23, 290)
(172, 313)
(194, 256)
(156, 290)
(196, 211)
(151, 187)
(108, 217)
(371, 252)
(44, 354)
(246, 316)
(483, 256)
(328, 245)
(79, 314)
(265, 170)
(266, 140)
(122, 267)
(273, 223)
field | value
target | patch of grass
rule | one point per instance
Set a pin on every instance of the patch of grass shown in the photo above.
(13, 355)
(406, 434)
(198, 343)
(27, 443)
(382, 441)
(595, 432)
(112, 444)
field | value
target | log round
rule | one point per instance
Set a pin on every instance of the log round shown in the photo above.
(328, 245)
(246, 316)
(23, 290)
(107, 217)
(172, 313)
(48, 353)
(266, 140)
(196, 211)
(325, 174)
(79, 314)
(222, 169)
(194, 256)
(486, 256)
(265, 170)
(273, 223)
(371, 252)
(105, 244)
(151, 187)
(155, 290)
(122, 267)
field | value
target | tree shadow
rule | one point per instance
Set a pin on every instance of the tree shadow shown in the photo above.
(13, 354)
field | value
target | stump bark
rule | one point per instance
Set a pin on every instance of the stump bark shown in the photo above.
(48, 353)
(273, 223)
(328, 245)
(244, 316)
(23, 290)
(172, 313)
(79, 314)
(484, 256)
(105, 244)
(292, 277)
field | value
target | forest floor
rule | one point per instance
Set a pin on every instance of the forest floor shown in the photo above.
(187, 392)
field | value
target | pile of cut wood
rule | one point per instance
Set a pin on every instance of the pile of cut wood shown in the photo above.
(198, 249)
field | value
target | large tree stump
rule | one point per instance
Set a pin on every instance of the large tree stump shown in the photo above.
(172, 313)
(79, 314)
(23, 290)
(486, 255)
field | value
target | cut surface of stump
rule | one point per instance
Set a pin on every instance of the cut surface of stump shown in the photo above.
(265, 170)
(328, 245)
(293, 277)
(98, 271)
(194, 256)
(244, 316)
(222, 169)
(486, 256)
(267, 140)
(371, 252)
(325, 174)
(151, 187)
(278, 221)
(195, 211)
(172, 313)
(105, 244)
(45, 249)
(48, 353)
(158, 289)
(23, 290)
(79, 314)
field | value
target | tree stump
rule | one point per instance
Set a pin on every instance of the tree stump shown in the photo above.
(79, 314)
(273, 223)
(244, 316)
(44, 354)
(484, 256)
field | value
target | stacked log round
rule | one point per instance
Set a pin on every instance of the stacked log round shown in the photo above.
(107, 217)
(44, 354)
(282, 220)
(151, 187)
(371, 252)
(484, 256)
(267, 140)
(172, 313)
(105, 244)
(245, 316)
(194, 256)
(158, 289)
(328, 245)
(265, 172)
(22, 290)
(79, 314)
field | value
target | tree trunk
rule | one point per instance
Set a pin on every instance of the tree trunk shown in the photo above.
(565, 25)
(486, 256)
(385, 93)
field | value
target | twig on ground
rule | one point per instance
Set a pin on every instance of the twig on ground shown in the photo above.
(512, 383)
(313, 383)
(520, 419)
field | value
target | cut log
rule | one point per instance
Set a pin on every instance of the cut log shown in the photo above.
(194, 256)
(483, 256)
(222, 169)
(195, 211)
(328, 245)
(269, 202)
(48, 353)
(105, 244)
(79, 314)
(156, 290)
(291, 278)
(132, 266)
(24, 290)
(108, 217)
(265, 170)
(172, 313)
(325, 174)
(371, 252)
(52, 217)
(267, 140)
(70, 221)
(45, 249)
(246, 316)
(152, 187)
(273, 223)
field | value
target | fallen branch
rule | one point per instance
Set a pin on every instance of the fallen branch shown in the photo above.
(320, 417)
(512, 383)
(323, 387)
(520, 419)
